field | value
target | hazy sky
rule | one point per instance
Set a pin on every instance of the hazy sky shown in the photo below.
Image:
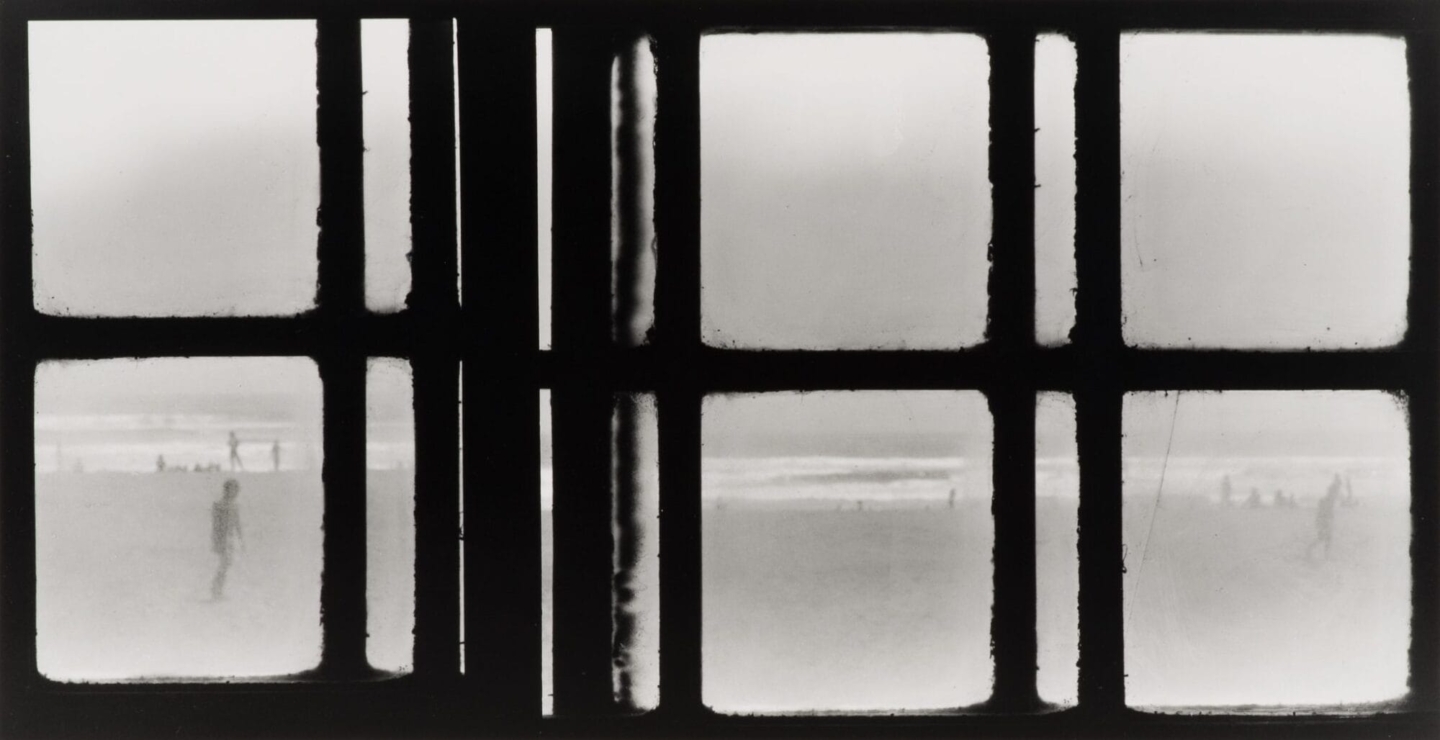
(175, 168)
(1265, 189)
(845, 198)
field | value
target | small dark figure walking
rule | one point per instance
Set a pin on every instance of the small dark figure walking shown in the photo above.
(275, 455)
(1325, 519)
(160, 464)
(952, 498)
(224, 533)
(235, 453)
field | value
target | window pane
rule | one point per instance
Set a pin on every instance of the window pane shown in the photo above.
(632, 243)
(390, 517)
(636, 490)
(384, 44)
(845, 192)
(173, 541)
(198, 192)
(1055, 69)
(847, 551)
(1265, 190)
(1057, 556)
(1266, 540)
(544, 141)
(547, 557)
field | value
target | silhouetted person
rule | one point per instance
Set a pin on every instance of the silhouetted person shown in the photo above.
(1279, 499)
(1254, 501)
(1325, 518)
(275, 455)
(1226, 491)
(1350, 499)
(160, 464)
(224, 533)
(235, 453)
(952, 498)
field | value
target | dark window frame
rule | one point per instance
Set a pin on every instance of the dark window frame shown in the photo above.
(500, 693)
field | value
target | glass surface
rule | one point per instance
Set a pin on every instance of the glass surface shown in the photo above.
(1265, 190)
(178, 510)
(1266, 541)
(1057, 555)
(845, 198)
(175, 169)
(544, 143)
(385, 68)
(547, 557)
(1055, 70)
(390, 515)
(636, 591)
(847, 541)
(632, 207)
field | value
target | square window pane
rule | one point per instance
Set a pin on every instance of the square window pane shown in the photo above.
(844, 189)
(385, 67)
(1267, 550)
(175, 169)
(847, 551)
(1057, 554)
(178, 510)
(1265, 190)
(390, 515)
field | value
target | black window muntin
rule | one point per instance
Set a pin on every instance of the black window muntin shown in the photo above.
(499, 695)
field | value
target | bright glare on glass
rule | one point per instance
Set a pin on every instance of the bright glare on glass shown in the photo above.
(544, 142)
(1267, 550)
(547, 557)
(384, 45)
(178, 508)
(1265, 190)
(174, 167)
(844, 189)
(390, 515)
(847, 544)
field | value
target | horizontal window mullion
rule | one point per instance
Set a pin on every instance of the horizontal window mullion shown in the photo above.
(55, 337)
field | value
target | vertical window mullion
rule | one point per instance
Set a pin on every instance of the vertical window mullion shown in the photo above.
(17, 367)
(433, 308)
(1099, 349)
(677, 337)
(1423, 337)
(581, 399)
(502, 422)
(342, 360)
(1011, 326)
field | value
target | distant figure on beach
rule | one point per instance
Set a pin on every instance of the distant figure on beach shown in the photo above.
(160, 464)
(1279, 500)
(1325, 519)
(1226, 491)
(235, 453)
(1349, 501)
(1254, 501)
(952, 498)
(275, 455)
(224, 533)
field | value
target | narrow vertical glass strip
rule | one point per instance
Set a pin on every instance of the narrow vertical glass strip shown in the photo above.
(636, 506)
(1057, 555)
(547, 558)
(384, 44)
(544, 137)
(455, 65)
(632, 238)
(1055, 69)
(390, 515)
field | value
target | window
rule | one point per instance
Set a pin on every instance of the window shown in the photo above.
(600, 385)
